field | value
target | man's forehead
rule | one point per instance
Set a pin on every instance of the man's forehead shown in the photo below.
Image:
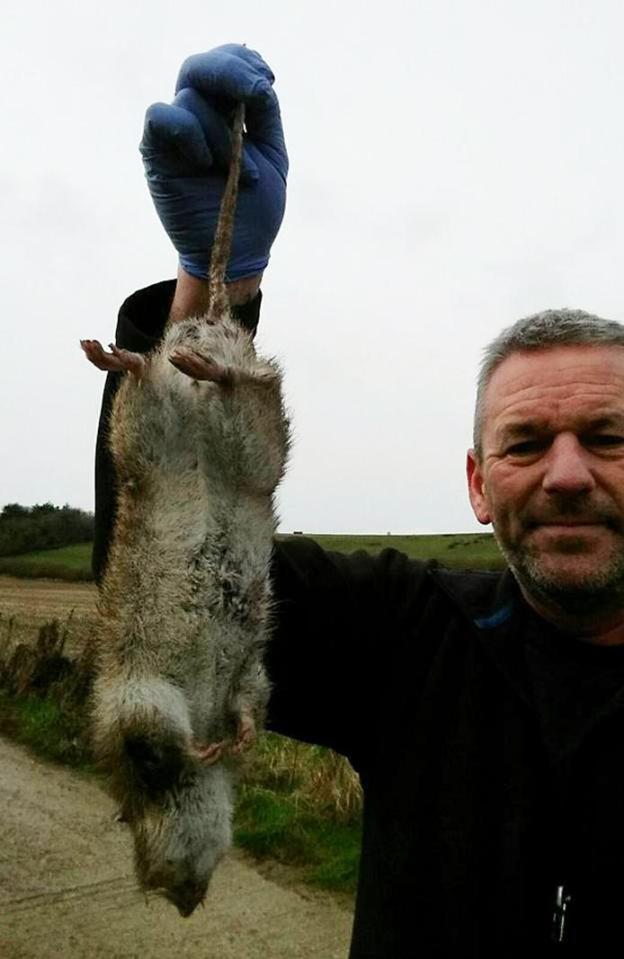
(584, 372)
(603, 359)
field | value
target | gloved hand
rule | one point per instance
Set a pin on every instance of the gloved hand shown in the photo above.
(186, 151)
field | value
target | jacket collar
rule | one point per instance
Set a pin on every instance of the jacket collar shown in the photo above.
(493, 605)
(487, 599)
(498, 615)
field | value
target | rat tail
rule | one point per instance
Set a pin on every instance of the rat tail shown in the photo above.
(219, 301)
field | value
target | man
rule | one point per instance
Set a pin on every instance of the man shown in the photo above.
(482, 711)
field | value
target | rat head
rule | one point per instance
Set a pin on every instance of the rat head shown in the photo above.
(179, 841)
(178, 809)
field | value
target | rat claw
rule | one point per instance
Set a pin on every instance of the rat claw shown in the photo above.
(209, 754)
(246, 735)
(127, 360)
(97, 355)
(200, 367)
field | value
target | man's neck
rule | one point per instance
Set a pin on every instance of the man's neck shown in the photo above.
(600, 630)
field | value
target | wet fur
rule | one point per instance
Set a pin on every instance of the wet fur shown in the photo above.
(185, 603)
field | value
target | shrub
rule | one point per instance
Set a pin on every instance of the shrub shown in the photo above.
(42, 526)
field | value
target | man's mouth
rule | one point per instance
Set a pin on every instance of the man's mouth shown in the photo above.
(568, 530)
(569, 523)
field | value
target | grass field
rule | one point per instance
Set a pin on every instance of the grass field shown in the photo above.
(455, 550)
(70, 563)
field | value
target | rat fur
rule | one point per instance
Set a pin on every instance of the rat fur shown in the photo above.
(199, 438)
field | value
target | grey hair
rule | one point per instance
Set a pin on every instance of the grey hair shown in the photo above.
(539, 331)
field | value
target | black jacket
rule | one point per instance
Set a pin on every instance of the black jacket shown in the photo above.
(491, 774)
(490, 747)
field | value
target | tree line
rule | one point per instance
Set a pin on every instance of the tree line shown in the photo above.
(42, 526)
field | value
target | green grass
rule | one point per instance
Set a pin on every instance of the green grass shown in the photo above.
(69, 563)
(45, 727)
(301, 805)
(282, 827)
(455, 550)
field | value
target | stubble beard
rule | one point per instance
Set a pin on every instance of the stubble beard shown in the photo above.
(584, 596)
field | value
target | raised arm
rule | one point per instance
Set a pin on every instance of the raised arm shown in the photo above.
(186, 153)
(185, 150)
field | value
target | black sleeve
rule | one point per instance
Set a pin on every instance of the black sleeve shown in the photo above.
(140, 325)
(341, 625)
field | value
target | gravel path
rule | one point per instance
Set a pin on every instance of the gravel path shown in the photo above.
(67, 890)
(66, 883)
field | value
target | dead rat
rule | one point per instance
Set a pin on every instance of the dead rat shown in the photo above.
(199, 439)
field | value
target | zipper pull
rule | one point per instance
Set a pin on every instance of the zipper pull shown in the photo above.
(562, 903)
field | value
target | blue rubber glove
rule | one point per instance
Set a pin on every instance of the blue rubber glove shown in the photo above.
(186, 151)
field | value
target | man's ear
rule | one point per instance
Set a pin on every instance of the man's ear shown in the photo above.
(476, 488)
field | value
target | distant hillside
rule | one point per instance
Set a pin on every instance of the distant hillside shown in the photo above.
(24, 529)
(455, 550)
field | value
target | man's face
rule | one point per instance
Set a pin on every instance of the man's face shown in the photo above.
(551, 475)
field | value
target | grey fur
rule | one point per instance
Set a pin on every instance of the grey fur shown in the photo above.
(185, 603)
(563, 327)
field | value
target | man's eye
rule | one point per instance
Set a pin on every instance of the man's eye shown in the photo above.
(605, 440)
(526, 448)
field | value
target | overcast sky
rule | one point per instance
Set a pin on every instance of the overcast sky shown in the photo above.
(454, 166)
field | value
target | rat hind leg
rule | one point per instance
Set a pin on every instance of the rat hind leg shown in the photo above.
(245, 711)
(248, 703)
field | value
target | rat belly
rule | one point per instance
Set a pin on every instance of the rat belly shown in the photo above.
(185, 601)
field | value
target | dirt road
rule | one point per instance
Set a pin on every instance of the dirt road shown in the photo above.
(66, 884)
(66, 887)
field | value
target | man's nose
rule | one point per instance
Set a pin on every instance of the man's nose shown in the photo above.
(567, 466)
